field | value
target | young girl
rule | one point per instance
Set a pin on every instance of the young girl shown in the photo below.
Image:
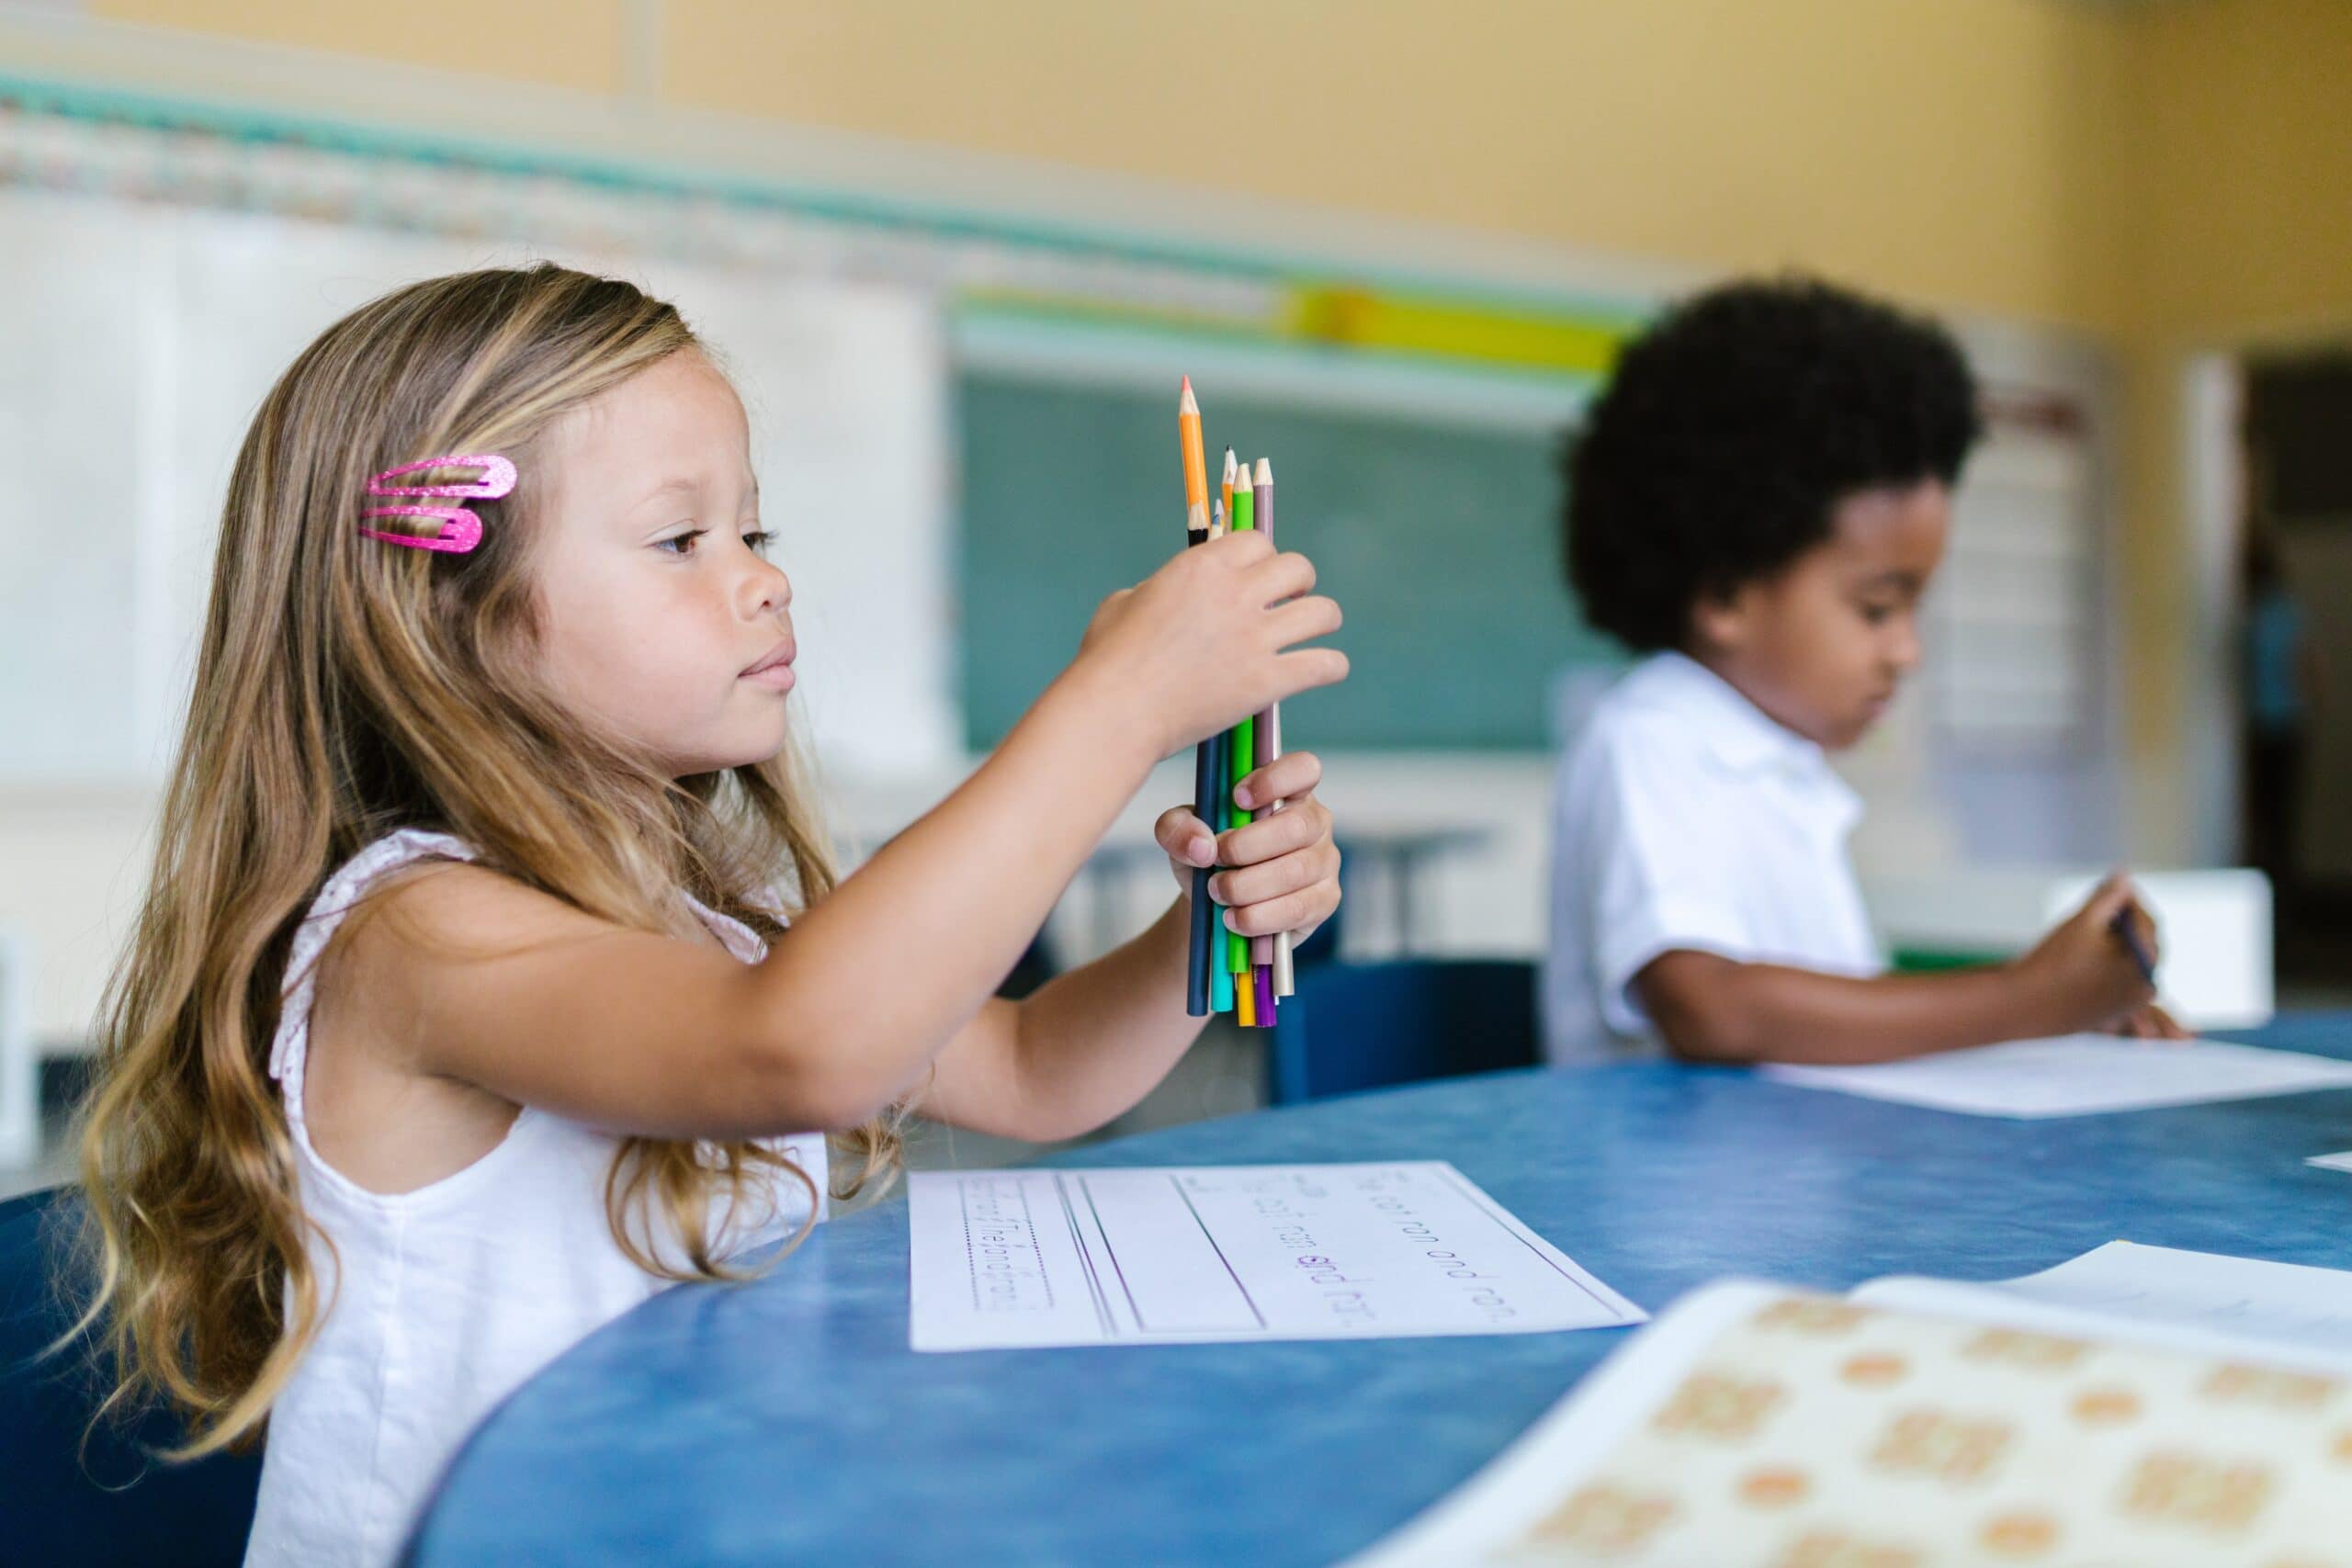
(461, 1015)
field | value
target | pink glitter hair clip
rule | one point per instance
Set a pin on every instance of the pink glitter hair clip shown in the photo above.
(460, 528)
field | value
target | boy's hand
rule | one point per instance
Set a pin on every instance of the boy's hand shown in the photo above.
(2082, 967)
(1282, 870)
(2150, 1023)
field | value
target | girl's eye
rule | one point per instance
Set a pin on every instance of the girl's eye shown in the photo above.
(684, 543)
(759, 539)
(1878, 615)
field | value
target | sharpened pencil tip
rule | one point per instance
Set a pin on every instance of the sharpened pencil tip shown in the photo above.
(1265, 475)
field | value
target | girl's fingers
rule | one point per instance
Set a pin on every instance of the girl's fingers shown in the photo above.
(1184, 837)
(1301, 910)
(1287, 777)
(1245, 886)
(1302, 670)
(1304, 620)
(1249, 551)
(1281, 577)
(1294, 827)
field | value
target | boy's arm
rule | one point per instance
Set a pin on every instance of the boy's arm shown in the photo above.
(1713, 1008)
(1088, 1044)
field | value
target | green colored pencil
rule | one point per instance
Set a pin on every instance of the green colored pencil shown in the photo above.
(1242, 519)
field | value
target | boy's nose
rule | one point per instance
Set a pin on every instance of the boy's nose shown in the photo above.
(1903, 655)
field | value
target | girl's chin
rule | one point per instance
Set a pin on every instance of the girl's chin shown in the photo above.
(718, 759)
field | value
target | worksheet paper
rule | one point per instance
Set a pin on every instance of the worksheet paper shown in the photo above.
(2127, 1407)
(2077, 1074)
(2204, 1303)
(1007, 1259)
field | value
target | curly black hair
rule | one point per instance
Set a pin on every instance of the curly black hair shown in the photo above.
(1731, 430)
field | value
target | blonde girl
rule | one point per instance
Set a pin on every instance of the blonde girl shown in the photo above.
(462, 1014)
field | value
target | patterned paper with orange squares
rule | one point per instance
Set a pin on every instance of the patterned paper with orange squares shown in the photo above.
(1818, 1434)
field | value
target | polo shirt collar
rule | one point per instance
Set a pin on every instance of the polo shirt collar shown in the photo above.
(1747, 739)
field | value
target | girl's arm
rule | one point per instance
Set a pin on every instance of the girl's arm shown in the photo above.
(497, 985)
(1089, 1044)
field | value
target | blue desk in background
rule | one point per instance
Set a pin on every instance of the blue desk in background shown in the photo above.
(787, 1422)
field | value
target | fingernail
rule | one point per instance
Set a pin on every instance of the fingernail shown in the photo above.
(1202, 851)
(1216, 889)
(1242, 798)
(1233, 921)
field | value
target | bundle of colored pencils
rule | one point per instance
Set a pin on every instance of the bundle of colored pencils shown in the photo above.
(1242, 975)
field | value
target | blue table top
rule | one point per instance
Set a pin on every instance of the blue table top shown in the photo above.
(786, 1421)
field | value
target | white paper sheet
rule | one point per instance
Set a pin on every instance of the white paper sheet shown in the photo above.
(1655, 1459)
(2079, 1075)
(2332, 1162)
(2200, 1302)
(1004, 1259)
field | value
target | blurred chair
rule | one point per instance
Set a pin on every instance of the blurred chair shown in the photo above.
(1359, 1026)
(110, 1503)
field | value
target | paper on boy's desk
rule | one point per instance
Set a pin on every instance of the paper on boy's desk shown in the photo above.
(2204, 1303)
(1004, 1259)
(2079, 1075)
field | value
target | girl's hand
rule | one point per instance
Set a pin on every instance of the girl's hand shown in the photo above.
(1209, 639)
(1282, 870)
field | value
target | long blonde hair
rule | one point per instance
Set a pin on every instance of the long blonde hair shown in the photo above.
(345, 688)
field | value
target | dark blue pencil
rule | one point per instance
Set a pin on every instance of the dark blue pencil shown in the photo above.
(1208, 767)
(2127, 930)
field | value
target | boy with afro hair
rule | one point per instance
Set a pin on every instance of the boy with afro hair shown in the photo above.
(1758, 502)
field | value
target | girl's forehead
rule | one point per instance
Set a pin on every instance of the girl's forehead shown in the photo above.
(683, 394)
(679, 416)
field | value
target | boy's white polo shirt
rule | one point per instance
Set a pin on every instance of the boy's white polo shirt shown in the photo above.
(1684, 816)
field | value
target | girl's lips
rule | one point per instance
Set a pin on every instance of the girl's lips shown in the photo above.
(774, 668)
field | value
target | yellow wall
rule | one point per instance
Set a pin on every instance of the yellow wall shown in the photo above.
(1954, 151)
(2242, 163)
(2239, 233)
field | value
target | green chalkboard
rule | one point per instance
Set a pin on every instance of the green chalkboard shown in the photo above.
(1440, 541)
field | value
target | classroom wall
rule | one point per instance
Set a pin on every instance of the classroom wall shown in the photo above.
(2161, 175)
(2238, 235)
(1954, 151)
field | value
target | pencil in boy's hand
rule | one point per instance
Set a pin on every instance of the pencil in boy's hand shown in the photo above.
(2126, 927)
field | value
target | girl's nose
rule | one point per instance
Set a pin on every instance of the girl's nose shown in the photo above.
(766, 591)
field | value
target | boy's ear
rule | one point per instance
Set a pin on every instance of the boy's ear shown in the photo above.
(1719, 621)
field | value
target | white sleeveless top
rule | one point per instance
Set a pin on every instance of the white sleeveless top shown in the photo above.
(445, 1298)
